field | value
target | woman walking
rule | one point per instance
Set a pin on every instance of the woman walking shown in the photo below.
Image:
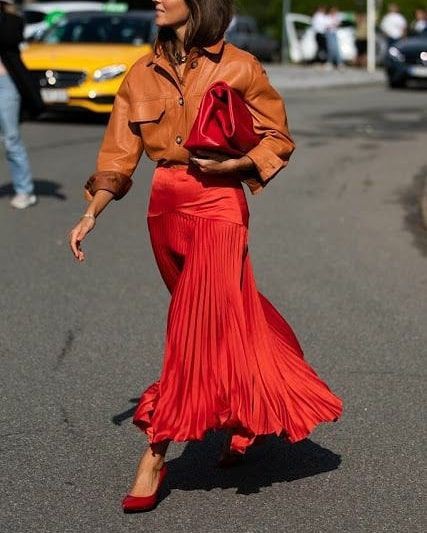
(16, 85)
(231, 360)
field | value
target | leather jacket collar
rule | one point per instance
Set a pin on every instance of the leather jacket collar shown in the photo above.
(213, 52)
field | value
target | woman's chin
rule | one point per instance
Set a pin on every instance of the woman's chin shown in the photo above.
(160, 20)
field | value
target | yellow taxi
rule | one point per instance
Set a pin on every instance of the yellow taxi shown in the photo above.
(82, 59)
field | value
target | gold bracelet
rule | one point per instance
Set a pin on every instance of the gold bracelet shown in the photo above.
(88, 215)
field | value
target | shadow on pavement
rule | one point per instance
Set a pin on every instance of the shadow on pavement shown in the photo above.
(121, 417)
(274, 461)
(41, 188)
(410, 197)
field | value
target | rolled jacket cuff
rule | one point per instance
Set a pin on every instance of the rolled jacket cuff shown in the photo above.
(254, 184)
(267, 163)
(115, 182)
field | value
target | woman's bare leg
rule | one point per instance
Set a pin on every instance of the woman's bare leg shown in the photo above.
(148, 471)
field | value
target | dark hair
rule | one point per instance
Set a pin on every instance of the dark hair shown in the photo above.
(206, 25)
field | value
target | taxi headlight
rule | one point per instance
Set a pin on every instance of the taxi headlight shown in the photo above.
(109, 72)
(395, 53)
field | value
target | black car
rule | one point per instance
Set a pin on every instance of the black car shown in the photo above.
(244, 33)
(407, 60)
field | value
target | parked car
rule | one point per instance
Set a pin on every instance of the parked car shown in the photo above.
(303, 45)
(36, 15)
(81, 60)
(244, 33)
(407, 60)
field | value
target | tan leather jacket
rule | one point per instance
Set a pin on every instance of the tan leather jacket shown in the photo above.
(154, 111)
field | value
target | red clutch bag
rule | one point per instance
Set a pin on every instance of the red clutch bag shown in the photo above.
(223, 124)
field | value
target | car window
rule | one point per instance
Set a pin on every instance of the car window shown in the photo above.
(33, 17)
(301, 28)
(242, 27)
(252, 26)
(86, 29)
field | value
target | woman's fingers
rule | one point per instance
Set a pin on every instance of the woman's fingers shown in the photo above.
(80, 237)
(75, 243)
(77, 235)
(211, 165)
(206, 165)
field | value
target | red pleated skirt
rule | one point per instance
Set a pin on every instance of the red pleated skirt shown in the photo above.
(231, 360)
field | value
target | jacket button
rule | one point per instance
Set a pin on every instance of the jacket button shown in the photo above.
(178, 139)
(181, 101)
(194, 64)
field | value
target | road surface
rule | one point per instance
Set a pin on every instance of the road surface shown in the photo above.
(337, 246)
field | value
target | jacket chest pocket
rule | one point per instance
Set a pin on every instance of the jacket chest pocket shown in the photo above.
(149, 116)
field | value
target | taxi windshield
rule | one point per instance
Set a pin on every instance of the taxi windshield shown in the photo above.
(99, 29)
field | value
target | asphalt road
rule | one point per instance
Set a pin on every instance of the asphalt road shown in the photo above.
(337, 246)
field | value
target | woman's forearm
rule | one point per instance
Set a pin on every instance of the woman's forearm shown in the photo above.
(99, 202)
(243, 163)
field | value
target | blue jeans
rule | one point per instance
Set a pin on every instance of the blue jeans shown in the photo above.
(16, 154)
(334, 54)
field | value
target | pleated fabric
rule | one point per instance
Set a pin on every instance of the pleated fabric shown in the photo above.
(231, 360)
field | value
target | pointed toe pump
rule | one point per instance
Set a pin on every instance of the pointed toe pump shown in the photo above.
(137, 504)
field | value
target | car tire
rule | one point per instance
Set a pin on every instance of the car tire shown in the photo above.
(397, 84)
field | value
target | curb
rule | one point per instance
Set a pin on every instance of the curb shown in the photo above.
(318, 87)
(291, 78)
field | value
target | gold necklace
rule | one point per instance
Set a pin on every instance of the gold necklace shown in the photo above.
(180, 59)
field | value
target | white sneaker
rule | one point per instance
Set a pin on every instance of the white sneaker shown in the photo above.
(22, 200)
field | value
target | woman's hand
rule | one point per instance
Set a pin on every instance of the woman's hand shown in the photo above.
(98, 202)
(215, 163)
(78, 233)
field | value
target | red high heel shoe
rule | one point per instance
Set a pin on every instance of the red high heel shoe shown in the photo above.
(136, 504)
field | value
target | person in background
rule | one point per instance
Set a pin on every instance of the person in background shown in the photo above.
(333, 20)
(361, 39)
(393, 25)
(419, 24)
(16, 86)
(318, 23)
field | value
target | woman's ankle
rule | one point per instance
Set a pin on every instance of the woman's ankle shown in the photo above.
(154, 456)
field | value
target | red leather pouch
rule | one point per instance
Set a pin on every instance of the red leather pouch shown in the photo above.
(223, 124)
